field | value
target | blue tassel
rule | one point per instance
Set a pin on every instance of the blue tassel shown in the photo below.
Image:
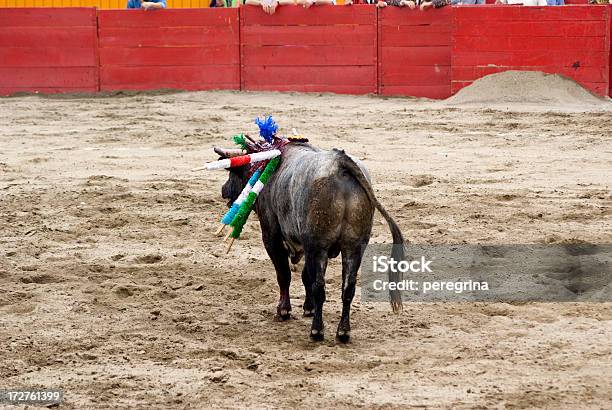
(267, 127)
(231, 213)
(254, 177)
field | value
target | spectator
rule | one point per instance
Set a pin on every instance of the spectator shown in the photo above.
(269, 6)
(441, 3)
(436, 4)
(225, 3)
(307, 3)
(523, 2)
(147, 5)
(398, 3)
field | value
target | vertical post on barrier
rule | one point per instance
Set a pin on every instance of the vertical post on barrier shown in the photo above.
(97, 46)
(609, 48)
(378, 48)
(453, 42)
(241, 47)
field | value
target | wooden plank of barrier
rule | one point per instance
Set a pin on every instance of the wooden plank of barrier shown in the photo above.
(166, 36)
(175, 77)
(531, 28)
(47, 17)
(351, 89)
(225, 17)
(417, 75)
(529, 43)
(416, 56)
(169, 56)
(416, 36)
(438, 92)
(309, 35)
(327, 55)
(487, 14)
(47, 57)
(361, 76)
(528, 58)
(7, 91)
(48, 77)
(38, 37)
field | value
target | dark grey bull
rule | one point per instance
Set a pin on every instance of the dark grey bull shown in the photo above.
(318, 204)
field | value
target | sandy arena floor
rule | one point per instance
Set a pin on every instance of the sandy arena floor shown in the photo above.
(114, 288)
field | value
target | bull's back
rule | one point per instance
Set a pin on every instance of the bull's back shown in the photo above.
(315, 200)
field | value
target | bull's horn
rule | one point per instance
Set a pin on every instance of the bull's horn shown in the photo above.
(229, 152)
(250, 139)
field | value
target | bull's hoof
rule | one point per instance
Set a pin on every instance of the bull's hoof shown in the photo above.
(343, 336)
(309, 308)
(283, 315)
(316, 335)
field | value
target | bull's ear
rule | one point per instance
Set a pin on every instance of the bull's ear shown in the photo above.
(228, 152)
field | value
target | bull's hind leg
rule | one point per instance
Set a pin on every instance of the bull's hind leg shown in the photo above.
(309, 307)
(351, 260)
(273, 241)
(315, 266)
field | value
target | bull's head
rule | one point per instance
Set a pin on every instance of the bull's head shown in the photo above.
(237, 176)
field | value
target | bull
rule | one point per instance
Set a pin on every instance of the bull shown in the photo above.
(317, 205)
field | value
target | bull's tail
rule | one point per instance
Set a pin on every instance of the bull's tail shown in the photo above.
(397, 252)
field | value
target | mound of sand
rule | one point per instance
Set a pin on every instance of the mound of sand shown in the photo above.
(529, 87)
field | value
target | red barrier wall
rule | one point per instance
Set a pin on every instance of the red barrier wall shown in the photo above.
(571, 40)
(188, 49)
(356, 49)
(48, 50)
(414, 54)
(324, 48)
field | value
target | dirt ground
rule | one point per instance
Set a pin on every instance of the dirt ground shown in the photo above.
(114, 288)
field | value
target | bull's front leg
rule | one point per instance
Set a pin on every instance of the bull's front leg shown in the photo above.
(273, 241)
(315, 266)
